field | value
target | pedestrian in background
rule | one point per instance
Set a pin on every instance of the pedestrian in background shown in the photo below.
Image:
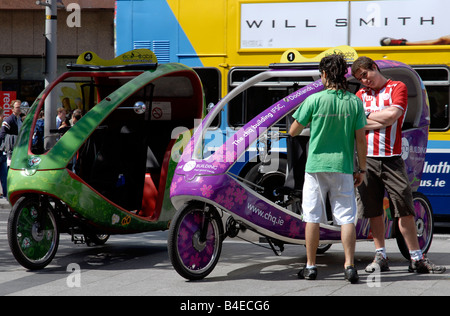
(10, 128)
(8, 136)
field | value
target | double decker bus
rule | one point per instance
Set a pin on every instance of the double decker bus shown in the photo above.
(229, 41)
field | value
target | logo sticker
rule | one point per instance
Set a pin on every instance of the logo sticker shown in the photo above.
(405, 148)
(189, 166)
(34, 161)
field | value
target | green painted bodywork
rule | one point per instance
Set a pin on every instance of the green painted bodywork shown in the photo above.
(49, 174)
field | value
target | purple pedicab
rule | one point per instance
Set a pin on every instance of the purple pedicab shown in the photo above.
(214, 203)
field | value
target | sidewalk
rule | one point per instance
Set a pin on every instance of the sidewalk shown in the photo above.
(4, 204)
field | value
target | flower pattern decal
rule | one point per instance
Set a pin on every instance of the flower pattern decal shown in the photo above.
(195, 259)
(207, 190)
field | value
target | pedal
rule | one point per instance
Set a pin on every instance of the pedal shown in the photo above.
(77, 240)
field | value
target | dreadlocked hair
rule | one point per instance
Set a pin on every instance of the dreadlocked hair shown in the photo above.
(335, 68)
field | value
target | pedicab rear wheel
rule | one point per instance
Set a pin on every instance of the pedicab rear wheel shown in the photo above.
(195, 241)
(33, 232)
(424, 225)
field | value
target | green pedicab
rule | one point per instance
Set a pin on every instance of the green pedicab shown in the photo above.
(110, 173)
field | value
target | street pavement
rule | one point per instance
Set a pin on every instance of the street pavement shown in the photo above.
(134, 265)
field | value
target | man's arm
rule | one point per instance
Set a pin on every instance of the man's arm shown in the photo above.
(5, 128)
(296, 128)
(383, 118)
(361, 152)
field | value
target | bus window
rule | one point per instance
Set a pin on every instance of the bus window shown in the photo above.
(437, 83)
(211, 81)
(438, 98)
(255, 99)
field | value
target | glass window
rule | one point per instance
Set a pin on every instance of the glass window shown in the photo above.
(439, 112)
(433, 74)
(26, 75)
(32, 69)
(62, 65)
(9, 68)
(211, 82)
(437, 83)
(29, 90)
(257, 98)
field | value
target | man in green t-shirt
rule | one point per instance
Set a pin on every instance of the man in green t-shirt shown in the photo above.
(337, 121)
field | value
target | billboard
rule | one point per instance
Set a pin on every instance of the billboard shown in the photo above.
(333, 23)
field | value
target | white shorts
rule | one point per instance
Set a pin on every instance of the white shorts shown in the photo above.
(338, 187)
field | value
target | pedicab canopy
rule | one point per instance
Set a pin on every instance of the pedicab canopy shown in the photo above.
(111, 128)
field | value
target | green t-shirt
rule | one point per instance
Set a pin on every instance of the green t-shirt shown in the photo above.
(334, 117)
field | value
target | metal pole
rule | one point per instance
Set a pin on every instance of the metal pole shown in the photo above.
(50, 69)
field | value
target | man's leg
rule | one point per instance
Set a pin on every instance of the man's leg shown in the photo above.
(408, 229)
(380, 261)
(378, 231)
(312, 242)
(312, 236)
(419, 262)
(312, 212)
(348, 237)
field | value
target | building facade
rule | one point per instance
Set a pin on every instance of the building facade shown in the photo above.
(82, 25)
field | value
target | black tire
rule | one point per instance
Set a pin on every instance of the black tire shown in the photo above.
(424, 224)
(33, 232)
(192, 257)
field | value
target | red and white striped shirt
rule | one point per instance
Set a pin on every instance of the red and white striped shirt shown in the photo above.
(385, 142)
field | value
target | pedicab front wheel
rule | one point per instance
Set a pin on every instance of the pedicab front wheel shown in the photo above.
(33, 233)
(195, 241)
(424, 225)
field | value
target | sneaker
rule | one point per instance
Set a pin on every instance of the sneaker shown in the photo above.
(307, 273)
(388, 41)
(379, 263)
(351, 274)
(424, 265)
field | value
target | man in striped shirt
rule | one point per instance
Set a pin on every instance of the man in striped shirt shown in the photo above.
(385, 103)
(384, 135)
